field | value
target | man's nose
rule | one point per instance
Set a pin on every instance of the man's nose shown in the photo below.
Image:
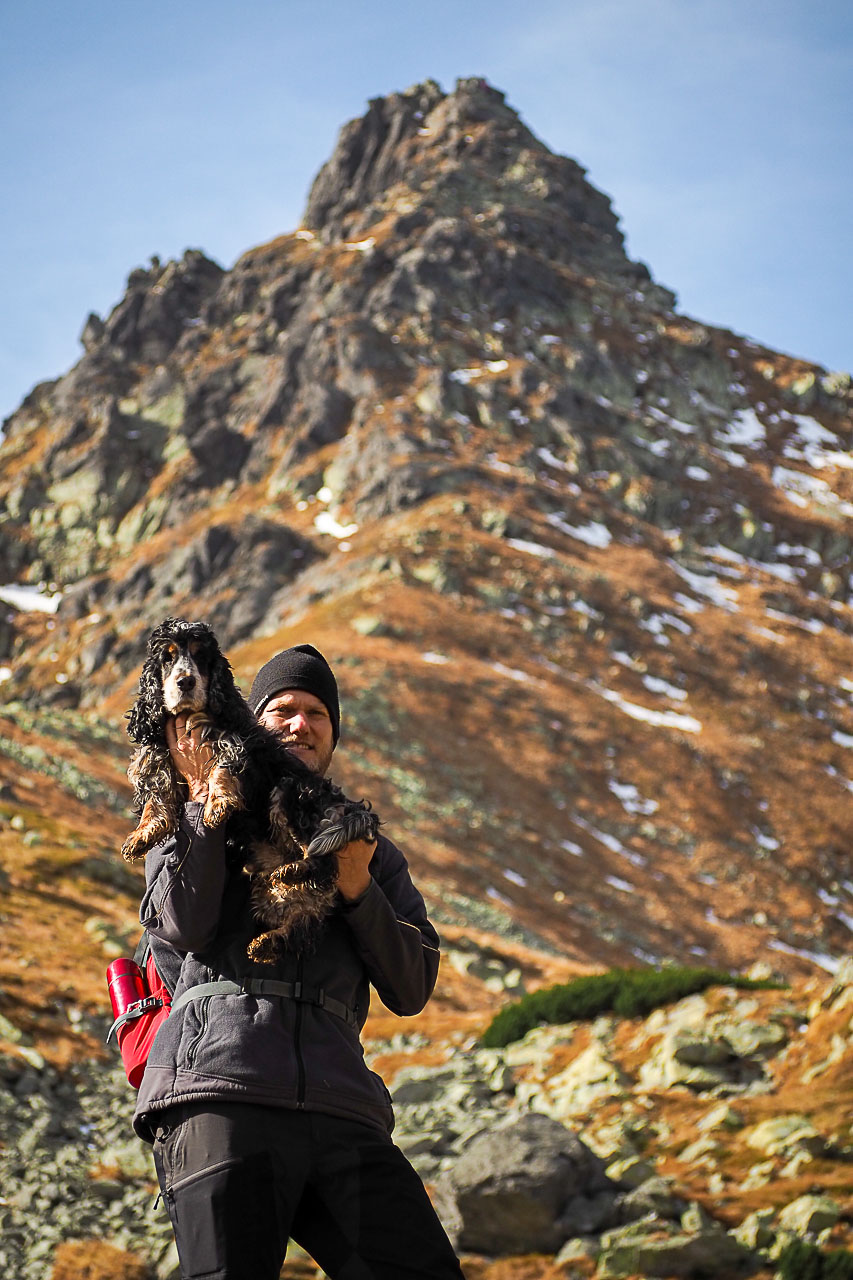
(297, 722)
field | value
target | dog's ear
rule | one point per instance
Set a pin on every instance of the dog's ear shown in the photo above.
(147, 715)
(221, 691)
(165, 631)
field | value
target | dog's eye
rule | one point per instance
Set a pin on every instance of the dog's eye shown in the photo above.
(199, 657)
(172, 652)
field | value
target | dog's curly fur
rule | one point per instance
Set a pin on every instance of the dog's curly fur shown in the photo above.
(288, 821)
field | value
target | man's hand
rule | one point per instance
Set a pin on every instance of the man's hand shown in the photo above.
(353, 863)
(191, 757)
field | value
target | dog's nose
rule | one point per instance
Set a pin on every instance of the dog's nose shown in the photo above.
(185, 683)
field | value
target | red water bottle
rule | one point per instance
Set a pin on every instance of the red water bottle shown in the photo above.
(126, 984)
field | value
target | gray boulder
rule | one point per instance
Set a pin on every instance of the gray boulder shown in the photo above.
(649, 1250)
(653, 1196)
(524, 1187)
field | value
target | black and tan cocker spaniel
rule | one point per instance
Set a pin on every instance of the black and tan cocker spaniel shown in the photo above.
(288, 821)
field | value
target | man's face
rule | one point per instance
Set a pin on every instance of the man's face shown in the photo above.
(301, 722)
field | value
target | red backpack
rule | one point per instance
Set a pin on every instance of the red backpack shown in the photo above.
(141, 1001)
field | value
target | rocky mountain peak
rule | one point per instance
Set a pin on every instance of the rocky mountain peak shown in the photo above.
(444, 152)
(449, 432)
(158, 302)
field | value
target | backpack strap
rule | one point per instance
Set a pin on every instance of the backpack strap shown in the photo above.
(269, 987)
(143, 950)
(136, 1010)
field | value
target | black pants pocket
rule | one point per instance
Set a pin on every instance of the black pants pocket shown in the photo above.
(225, 1221)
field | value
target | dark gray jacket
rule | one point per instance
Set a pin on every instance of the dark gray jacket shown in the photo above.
(303, 1053)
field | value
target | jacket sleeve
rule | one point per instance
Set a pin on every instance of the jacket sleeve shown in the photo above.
(393, 936)
(185, 877)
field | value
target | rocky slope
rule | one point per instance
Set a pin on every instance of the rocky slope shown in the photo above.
(581, 563)
(697, 1141)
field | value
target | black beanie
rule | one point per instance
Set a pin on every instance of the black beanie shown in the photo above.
(302, 667)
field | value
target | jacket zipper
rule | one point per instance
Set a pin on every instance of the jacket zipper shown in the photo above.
(297, 1041)
(191, 1050)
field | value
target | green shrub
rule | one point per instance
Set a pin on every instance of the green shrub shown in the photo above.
(631, 993)
(801, 1261)
(838, 1265)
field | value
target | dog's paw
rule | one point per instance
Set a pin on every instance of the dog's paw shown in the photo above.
(135, 847)
(264, 949)
(334, 833)
(217, 810)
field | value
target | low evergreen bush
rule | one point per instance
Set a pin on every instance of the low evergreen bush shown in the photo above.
(801, 1261)
(631, 993)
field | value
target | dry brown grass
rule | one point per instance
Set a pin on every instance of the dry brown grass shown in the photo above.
(96, 1260)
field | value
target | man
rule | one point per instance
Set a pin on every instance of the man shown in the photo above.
(266, 1122)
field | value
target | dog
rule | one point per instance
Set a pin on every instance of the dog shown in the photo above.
(287, 821)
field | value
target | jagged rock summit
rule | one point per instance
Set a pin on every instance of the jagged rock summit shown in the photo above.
(450, 432)
(462, 151)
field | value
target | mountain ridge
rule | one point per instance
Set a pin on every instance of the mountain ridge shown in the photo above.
(450, 432)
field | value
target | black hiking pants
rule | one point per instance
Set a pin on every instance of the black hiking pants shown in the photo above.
(240, 1180)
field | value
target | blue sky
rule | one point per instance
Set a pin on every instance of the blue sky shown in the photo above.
(721, 129)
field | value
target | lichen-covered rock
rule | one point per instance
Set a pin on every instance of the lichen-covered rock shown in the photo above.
(785, 1135)
(643, 1249)
(809, 1215)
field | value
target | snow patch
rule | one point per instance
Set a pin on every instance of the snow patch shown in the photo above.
(31, 599)
(552, 460)
(491, 892)
(830, 963)
(659, 719)
(745, 430)
(802, 489)
(622, 885)
(708, 586)
(532, 548)
(687, 603)
(512, 673)
(815, 445)
(610, 842)
(656, 685)
(630, 798)
(814, 625)
(325, 522)
(684, 428)
(594, 534)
